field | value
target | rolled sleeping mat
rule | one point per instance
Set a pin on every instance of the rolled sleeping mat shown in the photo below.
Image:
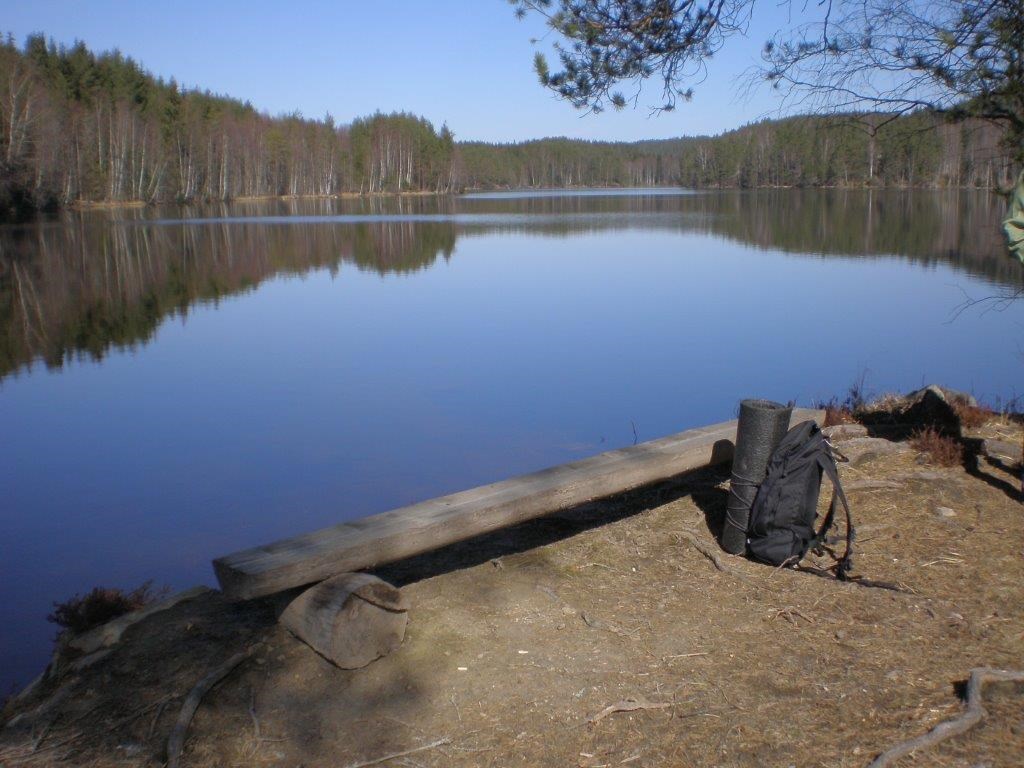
(762, 425)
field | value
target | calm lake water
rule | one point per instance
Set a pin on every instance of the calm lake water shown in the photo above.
(178, 384)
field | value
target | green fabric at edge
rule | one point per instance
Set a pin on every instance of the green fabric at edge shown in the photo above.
(1014, 224)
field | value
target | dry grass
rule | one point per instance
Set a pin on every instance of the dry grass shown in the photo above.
(837, 414)
(972, 416)
(941, 449)
(81, 613)
(845, 411)
(836, 411)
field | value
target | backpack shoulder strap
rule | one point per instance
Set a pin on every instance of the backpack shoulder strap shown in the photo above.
(828, 463)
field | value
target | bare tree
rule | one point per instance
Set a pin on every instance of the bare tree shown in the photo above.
(957, 57)
(17, 110)
(963, 59)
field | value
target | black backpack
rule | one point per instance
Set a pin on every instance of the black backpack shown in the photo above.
(782, 518)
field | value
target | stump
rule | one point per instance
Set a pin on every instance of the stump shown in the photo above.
(350, 619)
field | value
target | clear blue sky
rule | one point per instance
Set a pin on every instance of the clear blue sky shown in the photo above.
(467, 62)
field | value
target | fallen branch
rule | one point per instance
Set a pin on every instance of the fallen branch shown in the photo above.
(392, 756)
(973, 715)
(626, 705)
(684, 655)
(176, 741)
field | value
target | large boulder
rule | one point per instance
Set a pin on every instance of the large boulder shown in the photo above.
(930, 407)
(951, 396)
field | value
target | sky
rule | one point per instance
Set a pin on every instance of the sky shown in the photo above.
(465, 62)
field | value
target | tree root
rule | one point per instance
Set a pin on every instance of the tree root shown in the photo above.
(626, 705)
(393, 755)
(974, 714)
(176, 741)
(708, 552)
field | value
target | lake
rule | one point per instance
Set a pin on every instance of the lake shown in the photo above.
(176, 384)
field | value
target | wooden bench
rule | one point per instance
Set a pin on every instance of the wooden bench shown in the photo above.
(432, 524)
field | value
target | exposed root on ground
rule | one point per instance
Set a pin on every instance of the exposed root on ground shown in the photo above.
(711, 555)
(394, 755)
(176, 741)
(973, 715)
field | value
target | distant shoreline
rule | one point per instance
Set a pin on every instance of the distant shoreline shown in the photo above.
(89, 205)
(99, 205)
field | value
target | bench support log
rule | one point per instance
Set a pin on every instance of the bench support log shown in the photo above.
(350, 620)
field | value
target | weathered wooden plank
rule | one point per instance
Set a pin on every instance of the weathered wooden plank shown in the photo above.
(435, 523)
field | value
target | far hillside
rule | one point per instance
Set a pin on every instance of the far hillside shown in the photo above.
(853, 150)
(79, 127)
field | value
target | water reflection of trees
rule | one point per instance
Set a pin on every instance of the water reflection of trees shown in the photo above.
(82, 284)
(961, 229)
(958, 228)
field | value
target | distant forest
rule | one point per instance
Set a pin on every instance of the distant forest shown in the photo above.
(81, 127)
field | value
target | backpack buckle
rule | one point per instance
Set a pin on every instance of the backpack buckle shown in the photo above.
(837, 455)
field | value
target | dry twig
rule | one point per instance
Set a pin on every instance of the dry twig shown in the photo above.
(156, 719)
(790, 614)
(626, 705)
(684, 655)
(590, 621)
(973, 715)
(252, 715)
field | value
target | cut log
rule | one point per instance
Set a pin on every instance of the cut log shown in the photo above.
(429, 525)
(350, 620)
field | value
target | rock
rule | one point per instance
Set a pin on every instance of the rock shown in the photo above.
(131, 748)
(29, 690)
(110, 633)
(928, 476)
(945, 512)
(951, 396)
(1000, 449)
(929, 407)
(87, 661)
(860, 450)
(838, 432)
(871, 485)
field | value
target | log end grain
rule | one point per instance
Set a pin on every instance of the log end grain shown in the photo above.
(351, 619)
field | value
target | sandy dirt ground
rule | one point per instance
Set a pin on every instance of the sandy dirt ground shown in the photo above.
(604, 637)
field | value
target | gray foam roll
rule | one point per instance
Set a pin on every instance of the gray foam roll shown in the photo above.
(761, 427)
